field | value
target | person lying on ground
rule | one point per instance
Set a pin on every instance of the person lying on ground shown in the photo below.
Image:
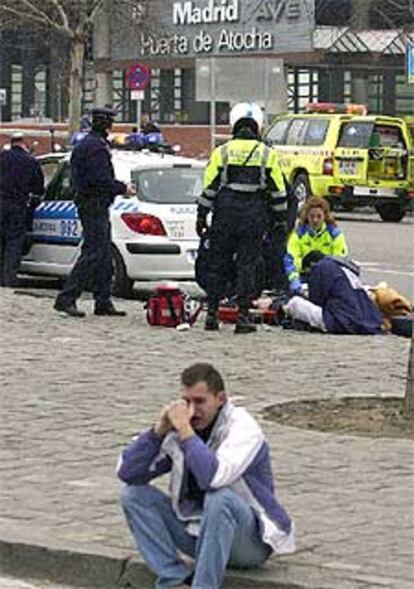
(316, 230)
(338, 302)
(222, 507)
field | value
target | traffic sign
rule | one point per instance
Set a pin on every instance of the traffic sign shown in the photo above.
(410, 63)
(138, 76)
(137, 94)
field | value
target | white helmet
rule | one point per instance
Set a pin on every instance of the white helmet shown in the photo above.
(247, 110)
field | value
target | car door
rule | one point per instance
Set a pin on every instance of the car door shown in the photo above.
(56, 229)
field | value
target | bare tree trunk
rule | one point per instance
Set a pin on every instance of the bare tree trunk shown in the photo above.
(409, 389)
(77, 54)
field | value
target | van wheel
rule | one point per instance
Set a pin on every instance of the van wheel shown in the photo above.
(393, 213)
(301, 189)
(122, 286)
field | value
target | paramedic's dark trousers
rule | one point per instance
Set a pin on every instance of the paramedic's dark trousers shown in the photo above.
(236, 236)
(12, 234)
(93, 268)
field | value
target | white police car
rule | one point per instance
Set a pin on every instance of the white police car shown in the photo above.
(153, 234)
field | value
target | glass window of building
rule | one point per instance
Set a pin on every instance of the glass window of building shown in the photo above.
(88, 98)
(404, 96)
(303, 87)
(16, 91)
(40, 92)
(375, 93)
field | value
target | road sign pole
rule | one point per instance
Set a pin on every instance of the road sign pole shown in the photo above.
(139, 114)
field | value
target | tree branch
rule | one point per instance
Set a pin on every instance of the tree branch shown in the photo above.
(96, 7)
(36, 15)
(61, 12)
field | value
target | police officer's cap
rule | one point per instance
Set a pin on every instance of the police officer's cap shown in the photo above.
(104, 112)
(17, 136)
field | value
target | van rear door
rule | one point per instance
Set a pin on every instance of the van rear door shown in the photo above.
(373, 152)
(351, 153)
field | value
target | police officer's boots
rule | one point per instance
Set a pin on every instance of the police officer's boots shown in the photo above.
(244, 323)
(211, 323)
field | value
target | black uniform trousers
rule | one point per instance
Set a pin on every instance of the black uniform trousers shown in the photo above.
(236, 238)
(12, 235)
(93, 269)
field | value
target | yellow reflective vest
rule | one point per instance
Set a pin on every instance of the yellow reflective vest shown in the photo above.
(245, 166)
(329, 240)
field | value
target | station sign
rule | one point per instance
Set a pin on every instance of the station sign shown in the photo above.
(213, 28)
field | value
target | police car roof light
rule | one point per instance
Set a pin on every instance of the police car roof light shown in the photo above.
(336, 108)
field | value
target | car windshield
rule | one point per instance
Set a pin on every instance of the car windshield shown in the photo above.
(169, 185)
(356, 135)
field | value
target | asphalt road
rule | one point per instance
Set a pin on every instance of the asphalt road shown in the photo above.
(385, 251)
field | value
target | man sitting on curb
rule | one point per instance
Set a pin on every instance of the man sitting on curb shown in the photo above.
(222, 508)
(338, 302)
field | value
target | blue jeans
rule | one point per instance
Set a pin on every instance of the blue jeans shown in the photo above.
(229, 534)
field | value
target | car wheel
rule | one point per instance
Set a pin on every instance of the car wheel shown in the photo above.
(391, 212)
(122, 286)
(301, 189)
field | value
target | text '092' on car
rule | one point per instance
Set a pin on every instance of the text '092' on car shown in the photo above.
(153, 233)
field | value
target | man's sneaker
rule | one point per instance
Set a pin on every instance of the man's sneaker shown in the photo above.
(109, 310)
(244, 325)
(68, 309)
(211, 323)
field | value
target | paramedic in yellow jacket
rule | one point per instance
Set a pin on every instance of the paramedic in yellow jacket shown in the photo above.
(245, 191)
(316, 230)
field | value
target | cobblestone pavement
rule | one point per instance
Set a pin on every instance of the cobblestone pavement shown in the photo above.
(75, 391)
(13, 583)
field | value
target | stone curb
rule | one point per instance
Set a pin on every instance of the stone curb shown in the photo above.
(115, 570)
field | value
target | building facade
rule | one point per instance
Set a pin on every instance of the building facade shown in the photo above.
(332, 50)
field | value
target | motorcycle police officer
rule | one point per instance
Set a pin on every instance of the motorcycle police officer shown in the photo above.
(20, 175)
(244, 188)
(95, 188)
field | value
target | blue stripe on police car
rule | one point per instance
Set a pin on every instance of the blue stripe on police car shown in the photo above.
(56, 210)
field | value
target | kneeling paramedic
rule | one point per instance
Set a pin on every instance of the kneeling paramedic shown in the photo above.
(338, 302)
(222, 507)
(244, 188)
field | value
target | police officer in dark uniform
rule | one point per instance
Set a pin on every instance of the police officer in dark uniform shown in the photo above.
(245, 189)
(95, 188)
(20, 175)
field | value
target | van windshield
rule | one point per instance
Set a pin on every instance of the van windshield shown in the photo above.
(356, 135)
(169, 185)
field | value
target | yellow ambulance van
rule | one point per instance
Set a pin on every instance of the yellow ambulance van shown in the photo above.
(353, 159)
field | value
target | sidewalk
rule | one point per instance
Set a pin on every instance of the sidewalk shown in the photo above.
(74, 392)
